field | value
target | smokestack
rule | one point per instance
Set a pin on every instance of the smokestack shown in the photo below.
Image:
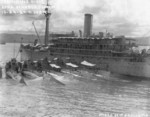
(101, 35)
(88, 20)
(80, 32)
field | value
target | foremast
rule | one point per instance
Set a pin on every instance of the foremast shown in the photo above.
(47, 15)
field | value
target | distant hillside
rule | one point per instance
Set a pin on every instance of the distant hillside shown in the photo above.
(11, 38)
(143, 41)
(29, 38)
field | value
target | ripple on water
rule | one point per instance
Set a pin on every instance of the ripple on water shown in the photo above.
(85, 98)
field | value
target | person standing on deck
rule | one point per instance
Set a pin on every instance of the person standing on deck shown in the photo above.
(24, 66)
(45, 65)
(30, 65)
(8, 66)
(35, 42)
(14, 65)
(38, 66)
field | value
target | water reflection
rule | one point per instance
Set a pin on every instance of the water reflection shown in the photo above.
(81, 99)
(85, 98)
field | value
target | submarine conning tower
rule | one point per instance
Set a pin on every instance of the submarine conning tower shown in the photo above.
(88, 22)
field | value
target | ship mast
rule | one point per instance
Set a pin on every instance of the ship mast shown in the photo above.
(47, 15)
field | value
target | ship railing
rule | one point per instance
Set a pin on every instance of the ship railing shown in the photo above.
(95, 56)
(93, 50)
(87, 42)
(93, 46)
(35, 48)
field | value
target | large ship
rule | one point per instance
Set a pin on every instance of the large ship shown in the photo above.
(114, 54)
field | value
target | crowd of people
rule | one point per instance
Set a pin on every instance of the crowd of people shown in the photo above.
(28, 65)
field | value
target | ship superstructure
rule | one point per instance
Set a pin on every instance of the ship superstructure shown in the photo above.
(91, 47)
(114, 54)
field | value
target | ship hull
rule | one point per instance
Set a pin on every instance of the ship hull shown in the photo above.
(27, 54)
(137, 69)
(122, 67)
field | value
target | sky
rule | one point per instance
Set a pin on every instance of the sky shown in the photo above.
(120, 17)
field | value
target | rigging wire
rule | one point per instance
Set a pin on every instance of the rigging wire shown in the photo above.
(36, 32)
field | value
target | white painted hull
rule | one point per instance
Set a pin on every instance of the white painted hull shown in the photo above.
(30, 75)
(59, 79)
(63, 78)
(14, 76)
(33, 55)
(32, 79)
(137, 69)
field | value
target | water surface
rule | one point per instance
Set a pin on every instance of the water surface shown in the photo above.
(95, 97)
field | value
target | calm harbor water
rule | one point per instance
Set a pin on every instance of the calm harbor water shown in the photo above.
(96, 97)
